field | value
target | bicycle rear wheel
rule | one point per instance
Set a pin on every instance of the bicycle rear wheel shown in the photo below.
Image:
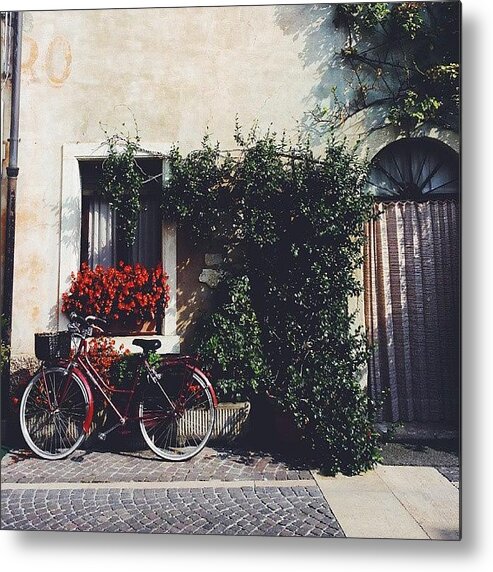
(52, 413)
(177, 414)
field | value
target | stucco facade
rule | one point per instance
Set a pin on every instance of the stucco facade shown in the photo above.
(177, 72)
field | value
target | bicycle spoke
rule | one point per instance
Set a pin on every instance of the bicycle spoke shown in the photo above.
(41, 424)
(64, 426)
(166, 431)
(52, 413)
(53, 390)
(38, 409)
(180, 431)
(168, 436)
(59, 432)
(69, 393)
(193, 394)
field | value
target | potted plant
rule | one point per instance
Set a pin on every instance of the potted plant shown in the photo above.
(128, 296)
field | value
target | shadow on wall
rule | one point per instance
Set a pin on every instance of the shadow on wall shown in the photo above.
(53, 318)
(313, 26)
(194, 299)
(70, 224)
(69, 232)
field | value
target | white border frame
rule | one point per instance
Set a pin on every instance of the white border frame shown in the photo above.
(70, 226)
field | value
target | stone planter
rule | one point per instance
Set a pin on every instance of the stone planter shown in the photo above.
(232, 422)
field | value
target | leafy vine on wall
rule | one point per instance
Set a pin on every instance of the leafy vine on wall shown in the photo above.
(292, 226)
(122, 181)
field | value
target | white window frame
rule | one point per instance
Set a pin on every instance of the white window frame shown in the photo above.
(70, 238)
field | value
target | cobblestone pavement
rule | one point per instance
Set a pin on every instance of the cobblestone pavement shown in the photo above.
(284, 511)
(451, 473)
(210, 464)
(220, 491)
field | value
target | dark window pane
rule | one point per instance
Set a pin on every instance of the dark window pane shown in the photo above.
(101, 243)
(415, 169)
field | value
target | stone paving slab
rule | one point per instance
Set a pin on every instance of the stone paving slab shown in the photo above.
(266, 511)
(428, 496)
(91, 466)
(154, 485)
(394, 502)
(366, 508)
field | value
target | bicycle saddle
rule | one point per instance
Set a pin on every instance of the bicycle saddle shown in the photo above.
(147, 345)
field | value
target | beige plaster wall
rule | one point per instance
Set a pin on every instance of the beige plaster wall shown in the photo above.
(179, 71)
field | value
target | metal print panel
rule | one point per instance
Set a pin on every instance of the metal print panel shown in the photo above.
(231, 270)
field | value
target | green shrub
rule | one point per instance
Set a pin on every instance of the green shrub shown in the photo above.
(123, 370)
(303, 222)
(293, 224)
(229, 346)
(4, 348)
(4, 354)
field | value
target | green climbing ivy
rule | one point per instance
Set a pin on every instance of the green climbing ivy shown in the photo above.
(122, 181)
(229, 343)
(293, 227)
(401, 58)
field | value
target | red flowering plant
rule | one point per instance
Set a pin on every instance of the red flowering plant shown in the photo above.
(104, 355)
(121, 293)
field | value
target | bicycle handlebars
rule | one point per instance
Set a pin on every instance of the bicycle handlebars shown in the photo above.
(88, 321)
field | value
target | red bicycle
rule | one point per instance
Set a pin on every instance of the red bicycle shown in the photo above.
(175, 404)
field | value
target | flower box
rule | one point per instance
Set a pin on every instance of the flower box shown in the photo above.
(128, 297)
(132, 327)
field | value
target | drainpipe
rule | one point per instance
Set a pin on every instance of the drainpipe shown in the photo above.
(12, 173)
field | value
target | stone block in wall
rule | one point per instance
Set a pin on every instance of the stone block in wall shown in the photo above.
(213, 260)
(210, 277)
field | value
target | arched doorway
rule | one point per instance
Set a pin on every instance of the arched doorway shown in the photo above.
(412, 278)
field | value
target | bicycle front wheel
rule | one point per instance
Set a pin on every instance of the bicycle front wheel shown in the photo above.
(53, 409)
(177, 414)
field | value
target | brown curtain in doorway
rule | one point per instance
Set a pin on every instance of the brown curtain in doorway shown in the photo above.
(412, 309)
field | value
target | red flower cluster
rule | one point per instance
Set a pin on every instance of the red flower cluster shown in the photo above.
(103, 354)
(117, 293)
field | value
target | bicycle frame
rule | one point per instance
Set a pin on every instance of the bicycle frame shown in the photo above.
(81, 365)
(172, 400)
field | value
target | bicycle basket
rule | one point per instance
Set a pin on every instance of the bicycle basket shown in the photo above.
(52, 345)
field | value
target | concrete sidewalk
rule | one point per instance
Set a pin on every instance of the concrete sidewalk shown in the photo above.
(394, 502)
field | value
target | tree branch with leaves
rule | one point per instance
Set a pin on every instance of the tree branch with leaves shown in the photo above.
(404, 58)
